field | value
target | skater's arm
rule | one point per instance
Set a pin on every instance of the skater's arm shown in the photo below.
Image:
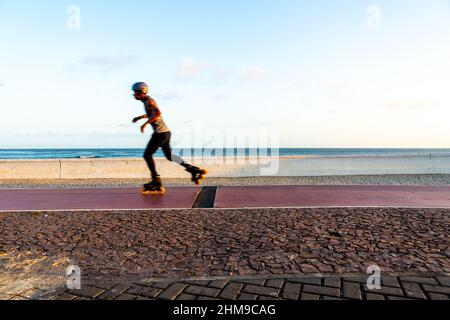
(140, 118)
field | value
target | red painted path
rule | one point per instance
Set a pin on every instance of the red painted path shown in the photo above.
(227, 197)
(79, 199)
(334, 196)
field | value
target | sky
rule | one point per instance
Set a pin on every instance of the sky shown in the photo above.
(314, 74)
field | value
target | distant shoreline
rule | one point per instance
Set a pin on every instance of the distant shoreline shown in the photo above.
(354, 156)
(283, 153)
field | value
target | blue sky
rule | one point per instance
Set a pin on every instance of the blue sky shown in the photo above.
(320, 73)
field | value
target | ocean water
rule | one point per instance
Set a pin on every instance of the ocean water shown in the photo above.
(137, 153)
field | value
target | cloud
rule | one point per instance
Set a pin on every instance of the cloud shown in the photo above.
(105, 64)
(254, 72)
(191, 68)
(170, 96)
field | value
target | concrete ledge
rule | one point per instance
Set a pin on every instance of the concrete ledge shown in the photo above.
(30, 169)
(230, 167)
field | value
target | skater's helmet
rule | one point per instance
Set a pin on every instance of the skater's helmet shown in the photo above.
(140, 86)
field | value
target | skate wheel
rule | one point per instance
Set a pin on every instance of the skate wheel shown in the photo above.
(154, 193)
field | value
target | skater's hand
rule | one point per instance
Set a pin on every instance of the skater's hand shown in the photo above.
(143, 127)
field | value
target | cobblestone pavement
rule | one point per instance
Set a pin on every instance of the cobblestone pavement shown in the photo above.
(269, 288)
(235, 242)
(281, 246)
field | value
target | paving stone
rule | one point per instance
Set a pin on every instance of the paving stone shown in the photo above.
(246, 296)
(386, 291)
(332, 282)
(438, 296)
(144, 298)
(263, 291)
(65, 296)
(202, 291)
(32, 294)
(231, 291)
(445, 281)
(397, 298)
(206, 298)
(373, 296)
(315, 281)
(257, 282)
(309, 296)
(137, 290)
(219, 284)
(275, 283)
(423, 280)
(51, 294)
(186, 297)
(267, 298)
(413, 290)
(126, 296)
(331, 298)
(114, 292)
(172, 291)
(291, 291)
(352, 290)
(390, 282)
(101, 284)
(87, 291)
(197, 282)
(326, 291)
(161, 285)
(358, 279)
(436, 289)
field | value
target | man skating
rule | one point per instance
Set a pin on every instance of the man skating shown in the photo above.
(160, 139)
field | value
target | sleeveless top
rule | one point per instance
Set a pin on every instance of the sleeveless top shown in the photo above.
(159, 125)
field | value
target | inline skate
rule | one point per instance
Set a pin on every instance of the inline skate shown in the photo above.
(154, 187)
(198, 174)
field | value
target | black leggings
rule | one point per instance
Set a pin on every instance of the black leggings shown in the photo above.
(161, 140)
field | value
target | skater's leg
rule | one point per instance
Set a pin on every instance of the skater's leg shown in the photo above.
(153, 145)
(197, 173)
(167, 149)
